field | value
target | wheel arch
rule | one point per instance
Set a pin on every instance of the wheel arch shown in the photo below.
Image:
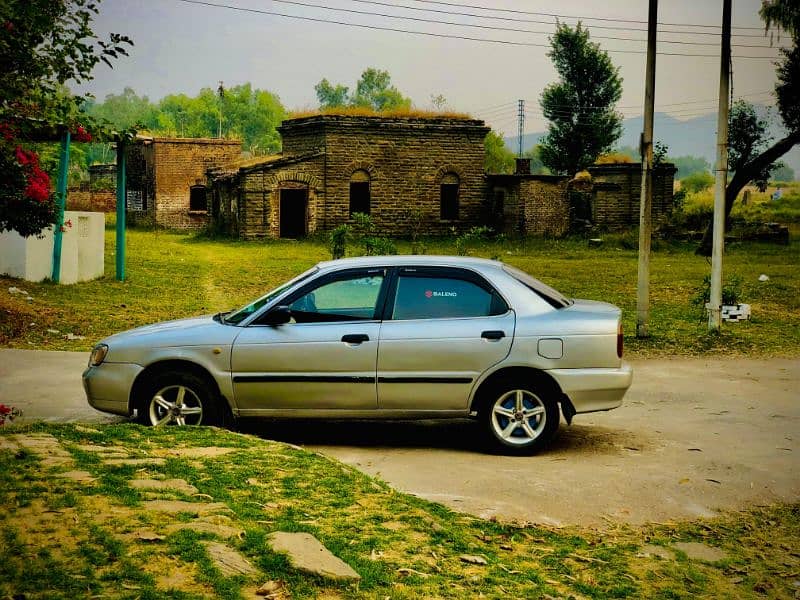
(163, 366)
(531, 375)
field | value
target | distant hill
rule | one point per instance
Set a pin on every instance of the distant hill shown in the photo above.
(695, 137)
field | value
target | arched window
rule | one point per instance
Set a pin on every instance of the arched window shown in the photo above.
(197, 198)
(359, 192)
(448, 197)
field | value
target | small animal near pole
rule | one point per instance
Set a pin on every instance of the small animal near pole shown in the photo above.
(718, 240)
(646, 201)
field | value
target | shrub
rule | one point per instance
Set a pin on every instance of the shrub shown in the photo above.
(337, 241)
(475, 234)
(731, 291)
(371, 243)
(697, 182)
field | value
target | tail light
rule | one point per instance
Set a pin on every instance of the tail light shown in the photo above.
(619, 339)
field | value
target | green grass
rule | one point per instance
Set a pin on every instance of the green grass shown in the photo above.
(171, 275)
(87, 549)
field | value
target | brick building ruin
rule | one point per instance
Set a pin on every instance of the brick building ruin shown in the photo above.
(406, 170)
(552, 205)
(334, 166)
(166, 179)
(99, 193)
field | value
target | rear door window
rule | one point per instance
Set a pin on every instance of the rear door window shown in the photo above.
(439, 294)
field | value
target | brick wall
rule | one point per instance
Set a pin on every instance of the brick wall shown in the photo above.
(140, 184)
(406, 159)
(92, 200)
(161, 172)
(617, 192)
(546, 207)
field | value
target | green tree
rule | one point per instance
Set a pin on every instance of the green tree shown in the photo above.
(374, 90)
(124, 110)
(697, 182)
(747, 137)
(43, 45)
(785, 15)
(330, 96)
(580, 106)
(689, 165)
(498, 158)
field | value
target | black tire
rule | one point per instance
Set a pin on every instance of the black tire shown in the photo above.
(178, 398)
(519, 417)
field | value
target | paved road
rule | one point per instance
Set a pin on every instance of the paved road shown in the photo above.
(693, 437)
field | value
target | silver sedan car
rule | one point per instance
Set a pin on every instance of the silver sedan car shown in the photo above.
(401, 337)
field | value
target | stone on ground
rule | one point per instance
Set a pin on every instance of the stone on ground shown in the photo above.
(307, 554)
(135, 462)
(178, 506)
(699, 551)
(177, 485)
(79, 476)
(228, 560)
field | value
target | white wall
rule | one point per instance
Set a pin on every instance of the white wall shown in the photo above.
(82, 251)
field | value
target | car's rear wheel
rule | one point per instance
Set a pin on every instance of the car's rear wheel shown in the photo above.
(520, 418)
(177, 398)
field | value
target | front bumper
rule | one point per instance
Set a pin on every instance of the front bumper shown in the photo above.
(108, 386)
(591, 390)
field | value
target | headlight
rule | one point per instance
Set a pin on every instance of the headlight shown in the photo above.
(98, 355)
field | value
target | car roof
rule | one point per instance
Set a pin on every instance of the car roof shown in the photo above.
(410, 259)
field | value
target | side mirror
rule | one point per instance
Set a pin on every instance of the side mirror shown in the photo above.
(280, 315)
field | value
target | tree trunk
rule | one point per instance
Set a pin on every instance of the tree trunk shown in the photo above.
(742, 177)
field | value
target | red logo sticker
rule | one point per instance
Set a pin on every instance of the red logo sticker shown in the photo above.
(429, 294)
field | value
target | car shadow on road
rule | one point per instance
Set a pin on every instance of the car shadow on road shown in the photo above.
(455, 434)
(464, 435)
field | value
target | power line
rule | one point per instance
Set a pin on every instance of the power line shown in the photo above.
(666, 104)
(555, 15)
(438, 35)
(496, 28)
(541, 22)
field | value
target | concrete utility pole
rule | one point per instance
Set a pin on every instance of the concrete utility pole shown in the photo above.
(521, 124)
(718, 242)
(646, 201)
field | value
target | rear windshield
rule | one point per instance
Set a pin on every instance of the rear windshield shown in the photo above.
(553, 297)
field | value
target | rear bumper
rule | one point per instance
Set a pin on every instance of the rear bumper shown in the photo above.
(591, 390)
(108, 386)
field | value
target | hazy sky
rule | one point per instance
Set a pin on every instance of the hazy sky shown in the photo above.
(182, 47)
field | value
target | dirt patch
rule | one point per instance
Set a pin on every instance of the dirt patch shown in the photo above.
(42, 527)
(171, 574)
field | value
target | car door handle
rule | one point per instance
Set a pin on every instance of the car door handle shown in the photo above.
(494, 334)
(355, 338)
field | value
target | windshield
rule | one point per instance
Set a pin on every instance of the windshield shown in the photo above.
(553, 297)
(240, 315)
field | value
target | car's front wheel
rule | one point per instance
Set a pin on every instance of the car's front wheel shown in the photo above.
(176, 398)
(520, 419)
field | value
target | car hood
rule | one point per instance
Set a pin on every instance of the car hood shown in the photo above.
(195, 331)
